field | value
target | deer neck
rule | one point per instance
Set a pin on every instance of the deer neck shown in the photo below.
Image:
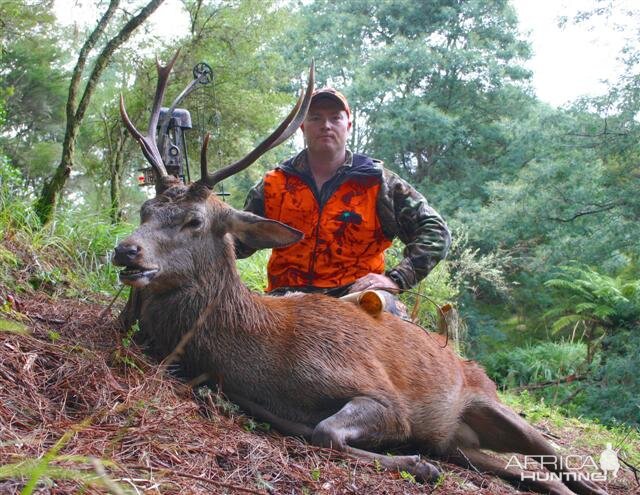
(214, 301)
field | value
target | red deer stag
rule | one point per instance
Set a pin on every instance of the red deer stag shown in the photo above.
(310, 365)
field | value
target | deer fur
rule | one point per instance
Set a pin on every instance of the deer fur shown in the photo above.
(312, 365)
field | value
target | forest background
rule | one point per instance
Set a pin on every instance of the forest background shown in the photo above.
(543, 202)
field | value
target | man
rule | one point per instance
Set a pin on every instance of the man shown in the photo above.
(349, 208)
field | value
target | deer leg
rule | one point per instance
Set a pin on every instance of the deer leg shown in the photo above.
(500, 429)
(368, 423)
(284, 426)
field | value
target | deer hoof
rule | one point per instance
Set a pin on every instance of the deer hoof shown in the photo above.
(425, 472)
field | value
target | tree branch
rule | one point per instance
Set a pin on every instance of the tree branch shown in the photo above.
(535, 386)
(579, 214)
(82, 59)
(116, 42)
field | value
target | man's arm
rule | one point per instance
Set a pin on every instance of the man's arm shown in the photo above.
(254, 204)
(405, 213)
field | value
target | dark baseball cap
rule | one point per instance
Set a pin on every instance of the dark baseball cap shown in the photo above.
(334, 95)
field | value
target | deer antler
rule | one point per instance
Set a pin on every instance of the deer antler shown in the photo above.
(288, 126)
(148, 142)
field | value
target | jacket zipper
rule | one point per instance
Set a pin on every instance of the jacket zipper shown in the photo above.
(317, 196)
(312, 261)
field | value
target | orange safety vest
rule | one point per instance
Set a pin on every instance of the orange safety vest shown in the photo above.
(343, 239)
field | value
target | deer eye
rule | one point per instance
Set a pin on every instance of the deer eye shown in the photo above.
(194, 223)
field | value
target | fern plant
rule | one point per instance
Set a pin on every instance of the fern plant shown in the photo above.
(592, 304)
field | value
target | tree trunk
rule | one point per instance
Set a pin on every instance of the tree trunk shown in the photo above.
(115, 182)
(46, 203)
(115, 192)
(45, 206)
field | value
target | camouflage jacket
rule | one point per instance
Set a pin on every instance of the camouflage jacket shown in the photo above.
(402, 211)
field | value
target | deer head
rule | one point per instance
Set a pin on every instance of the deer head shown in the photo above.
(184, 228)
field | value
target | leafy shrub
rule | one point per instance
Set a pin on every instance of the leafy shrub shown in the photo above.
(437, 289)
(537, 363)
(592, 304)
(613, 395)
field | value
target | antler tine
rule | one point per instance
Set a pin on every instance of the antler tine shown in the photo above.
(288, 126)
(148, 142)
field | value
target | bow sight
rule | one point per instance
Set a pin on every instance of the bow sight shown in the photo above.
(172, 125)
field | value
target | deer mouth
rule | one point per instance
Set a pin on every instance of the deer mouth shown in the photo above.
(137, 276)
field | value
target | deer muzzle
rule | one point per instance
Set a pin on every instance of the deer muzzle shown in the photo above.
(135, 273)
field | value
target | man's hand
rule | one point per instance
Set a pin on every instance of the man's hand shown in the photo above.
(374, 281)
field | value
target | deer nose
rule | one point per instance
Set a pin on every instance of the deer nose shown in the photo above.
(126, 253)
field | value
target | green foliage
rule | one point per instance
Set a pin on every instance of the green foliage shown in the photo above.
(127, 339)
(612, 395)
(70, 256)
(408, 476)
(253, 87)
(587, 297)
(217, 400)
(30, 469)
(536, 363)
(32, 82)
(37, 470)
(315, 474)
(601, 314)
(466, 269)
(252, 425)
(11, 326)
(436, 290)
(485, 333)
(253, 270)
(594, 434)
(592, 304)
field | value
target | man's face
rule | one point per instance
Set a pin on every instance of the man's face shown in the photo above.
(326, 127)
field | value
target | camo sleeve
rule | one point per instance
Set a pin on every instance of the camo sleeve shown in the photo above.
(405, 213)
(254, 203)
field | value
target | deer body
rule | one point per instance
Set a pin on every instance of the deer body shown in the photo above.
(332, 341)
(309, 364)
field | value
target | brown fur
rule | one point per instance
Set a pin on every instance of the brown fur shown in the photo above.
(313, 365)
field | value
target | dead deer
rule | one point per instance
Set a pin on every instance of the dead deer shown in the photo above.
(310, 365)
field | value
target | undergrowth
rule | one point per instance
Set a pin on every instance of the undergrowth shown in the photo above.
(535, 363)
(70, 256)
(582, 433)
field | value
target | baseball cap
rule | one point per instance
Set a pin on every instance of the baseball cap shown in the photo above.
(333, 94)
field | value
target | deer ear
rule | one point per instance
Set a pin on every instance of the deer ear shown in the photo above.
(260, 233)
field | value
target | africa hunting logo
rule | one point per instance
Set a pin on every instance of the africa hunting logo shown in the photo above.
(567, 468)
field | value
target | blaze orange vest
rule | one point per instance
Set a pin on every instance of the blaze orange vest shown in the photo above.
(343, 239)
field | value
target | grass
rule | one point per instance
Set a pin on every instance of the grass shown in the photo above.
(253, 270)
(70, 256)
(39, 472)
(583, 433)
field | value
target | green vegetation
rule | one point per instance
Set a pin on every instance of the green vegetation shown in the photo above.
(591, 435)
(47, 468)
(69, 257)
(544, 362)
